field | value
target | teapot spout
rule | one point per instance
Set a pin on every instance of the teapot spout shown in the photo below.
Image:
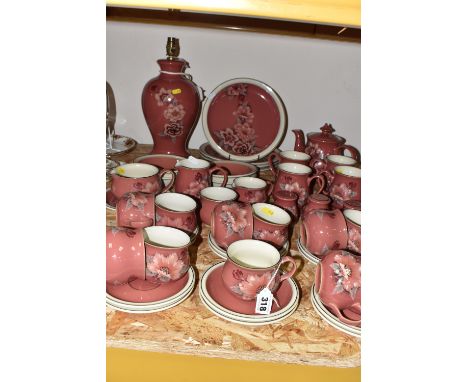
(299, 145)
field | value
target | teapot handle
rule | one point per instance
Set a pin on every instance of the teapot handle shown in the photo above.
(353, 150)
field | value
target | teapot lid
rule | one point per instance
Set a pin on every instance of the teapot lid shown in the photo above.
(326, 135)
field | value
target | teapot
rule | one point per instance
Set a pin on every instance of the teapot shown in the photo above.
(319, 145)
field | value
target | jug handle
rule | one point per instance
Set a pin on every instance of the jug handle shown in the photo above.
(271, 163)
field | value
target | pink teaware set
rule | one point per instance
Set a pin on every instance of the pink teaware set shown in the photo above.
(162, 199)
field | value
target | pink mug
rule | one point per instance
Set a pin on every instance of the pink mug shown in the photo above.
(252, 190)
(135, 210)
(297, 178)
(142, 177)
(288, 156)
(210, 197)
(323, 230)
(338, 284)
(353, 221)
(231, 221)
(176, 210)
(125, 255)
(195, 174)
(251, 266)
(327, 166)
(271, 224)
(346, 185)
(167, 254)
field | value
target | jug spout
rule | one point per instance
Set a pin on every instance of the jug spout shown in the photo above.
(299, 145)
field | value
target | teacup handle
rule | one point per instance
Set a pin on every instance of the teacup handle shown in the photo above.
(270, 186)
(288, 259)
(141, 224)
(322, 163)
(322, 181)
(271, 162)
(171, 183)
(222, 171)
(353, 150)
(338, 313)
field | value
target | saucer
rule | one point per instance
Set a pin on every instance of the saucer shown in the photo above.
(142, 291)
(329, 318)
(220, 301)
(306, 254)
(111, 200)
(223, 254)
(120, 145)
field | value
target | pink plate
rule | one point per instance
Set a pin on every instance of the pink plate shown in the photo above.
(111, 200)
(219, 293)
(244, 119)
(143, 291)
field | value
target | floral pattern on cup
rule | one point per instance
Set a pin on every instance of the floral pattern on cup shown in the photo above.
(241, 137)
(173, 113)
(128, 231)
(287, 184)
(135, 200)
(343, 192)
(162, 268)
(189, 224)
(247, 287)
(197, 184)
(271, 236)
(234, 218)
(253, 196)
(347, 273)
(354, 239)
(147, 187)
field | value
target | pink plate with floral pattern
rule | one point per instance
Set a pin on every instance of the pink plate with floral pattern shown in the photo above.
(244, 119)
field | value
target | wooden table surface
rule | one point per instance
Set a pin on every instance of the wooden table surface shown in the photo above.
(189, 328)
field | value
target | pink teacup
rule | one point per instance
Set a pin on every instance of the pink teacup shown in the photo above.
(271, 224)
(252, 190)
(125, 255)
(176, 210)
(297, 178)
(353, 221)
(288, 156)
(133, 177)
(135, 210)
(231, 221)
(251, 266)
(346, 185)
(195, 174)
(167, 254)
(210, 197)
(338, 284)
(323, 230)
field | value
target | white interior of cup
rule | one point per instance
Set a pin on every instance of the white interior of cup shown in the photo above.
(175, 202)
(253, 253)
(218, 193)
(250, 182)
(193, 163)
(349, 171)
(353, 215)
(136, 170)
(295, 168)
(167, 237)
(291, 154)
(341, 159)
(271, 213)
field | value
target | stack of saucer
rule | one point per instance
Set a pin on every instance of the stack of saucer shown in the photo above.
(221, 302)
(222, 252)
(140, 296)
(306, 253)
(328, 317)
